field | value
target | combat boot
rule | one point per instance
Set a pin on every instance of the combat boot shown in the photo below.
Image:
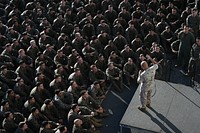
(148, 105)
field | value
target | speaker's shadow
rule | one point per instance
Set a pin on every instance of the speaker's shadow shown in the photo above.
(163, 122)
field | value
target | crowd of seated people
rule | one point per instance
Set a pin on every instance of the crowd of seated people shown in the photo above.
(58, 57)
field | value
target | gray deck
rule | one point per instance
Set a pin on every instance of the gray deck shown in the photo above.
(175, 109)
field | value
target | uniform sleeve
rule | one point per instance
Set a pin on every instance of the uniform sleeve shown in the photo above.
(140, 78)
(155, 66)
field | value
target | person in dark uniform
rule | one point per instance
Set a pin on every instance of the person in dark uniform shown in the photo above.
(90, 53)
(50, 111)
(57, 83)
(61, 58)
(97, 74)
(97, 92)
(115, 76)
(186, 40)
(194, 58)
(23, 128)
(79, 78)
(40, 93)
(8, 123)
(35, 119)
(7, 76)
(85, 115)
(130, 71)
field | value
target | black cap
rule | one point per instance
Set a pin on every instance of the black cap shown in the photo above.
(88, 14)
(21, 62)
(3, 67)
(74, 106)
(9, 91)
(138, 8)
(71, 82)
(41, 62)
(7, 45)
(44, 123)
(59, 50)
(18, 79)
(113, 52)
(57, 91)
(110, 63)
(48, 45)
(38, 73)
(39, 53)
(194, 9)
(62, 34)
(76, 69)
(47, 101)
(7, 114)
(30, 97)
(42, 33)
(38, 83)
(33, 109)
(10, 28)
(58, 65)
(86, 43)
(68, 9)
(57, 75)
(83, 92)
(80, 8)
(73, 50)
(3, 102)
(96, 82)
(21, 124)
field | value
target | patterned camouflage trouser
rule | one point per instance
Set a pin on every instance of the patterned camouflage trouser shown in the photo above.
(145, 97)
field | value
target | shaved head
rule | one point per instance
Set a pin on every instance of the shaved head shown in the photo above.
(144, 65)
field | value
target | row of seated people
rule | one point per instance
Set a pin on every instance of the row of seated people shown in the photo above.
(64, 65)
